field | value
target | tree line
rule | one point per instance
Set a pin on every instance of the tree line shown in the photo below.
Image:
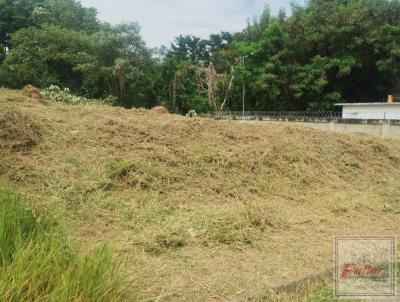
(322, 53)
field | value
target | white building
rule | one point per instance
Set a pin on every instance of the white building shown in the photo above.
(376, 111)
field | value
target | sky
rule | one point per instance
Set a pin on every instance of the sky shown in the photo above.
(162, 20)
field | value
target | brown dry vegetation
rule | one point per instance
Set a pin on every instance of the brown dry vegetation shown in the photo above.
(200, 209)
(18, 131)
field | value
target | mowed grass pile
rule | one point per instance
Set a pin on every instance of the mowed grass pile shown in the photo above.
(37, 264)
(18, 131)
(200, 209)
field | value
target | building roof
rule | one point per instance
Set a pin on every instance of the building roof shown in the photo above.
(368, 104)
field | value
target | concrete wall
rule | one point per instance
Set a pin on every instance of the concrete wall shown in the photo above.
(386, 129)
(391, 131)
(383, 111)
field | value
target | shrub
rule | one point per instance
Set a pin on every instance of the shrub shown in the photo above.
(61, 95)
(64, 95)
(191, 113)
(110, 100)
(37, 263)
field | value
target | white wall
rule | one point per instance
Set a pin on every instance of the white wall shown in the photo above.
(380, 112)
(381, 130)
(385, 131)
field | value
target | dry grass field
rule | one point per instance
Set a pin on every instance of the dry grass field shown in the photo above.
(199, 209)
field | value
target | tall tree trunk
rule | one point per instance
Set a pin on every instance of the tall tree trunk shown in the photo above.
(121, 81)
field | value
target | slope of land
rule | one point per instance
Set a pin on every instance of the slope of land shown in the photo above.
(199, 209)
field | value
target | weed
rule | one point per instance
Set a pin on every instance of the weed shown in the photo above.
(69, 160)
(36, 263)
(64, 95)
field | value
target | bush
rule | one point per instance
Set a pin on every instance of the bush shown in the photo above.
(110, 100)
(37, 263)
(64, 95)
(61, 95)
(191, 113)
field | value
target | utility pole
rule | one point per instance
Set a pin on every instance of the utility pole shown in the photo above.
(244, 86)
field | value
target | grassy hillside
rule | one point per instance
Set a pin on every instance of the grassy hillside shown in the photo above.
(199, 209)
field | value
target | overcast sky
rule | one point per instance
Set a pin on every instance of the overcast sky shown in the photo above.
(162, 20)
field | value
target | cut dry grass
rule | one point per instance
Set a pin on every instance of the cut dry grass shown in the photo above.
(18, 131)
(205, 209)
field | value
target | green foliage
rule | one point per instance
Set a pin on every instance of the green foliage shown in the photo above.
(62, 43)
(55, 93)
(45, 56)
(323, 53)
(68, 14)
(61, 95)
(327, 52)
(16, 15)
(189, 53)
(192, 113)
(37, 263)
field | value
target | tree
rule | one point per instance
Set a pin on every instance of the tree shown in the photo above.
(111, 61)
(323, 53)
(190, 48)
(326, 52)
(46, 56)
(16, 15)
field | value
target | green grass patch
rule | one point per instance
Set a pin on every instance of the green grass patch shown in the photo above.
(38, 264)
(67, 159)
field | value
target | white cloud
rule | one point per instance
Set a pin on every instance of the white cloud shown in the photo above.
(162, 20)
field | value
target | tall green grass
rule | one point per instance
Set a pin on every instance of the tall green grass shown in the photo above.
(38, 264)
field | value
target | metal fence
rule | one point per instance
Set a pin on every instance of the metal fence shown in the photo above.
(279, 114)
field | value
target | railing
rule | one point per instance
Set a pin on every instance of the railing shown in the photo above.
(278, 114)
